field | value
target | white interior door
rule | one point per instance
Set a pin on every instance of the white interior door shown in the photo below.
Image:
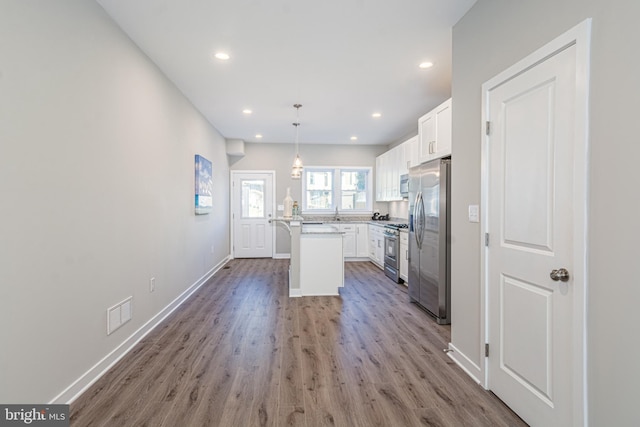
(531, 210)
(252, 210)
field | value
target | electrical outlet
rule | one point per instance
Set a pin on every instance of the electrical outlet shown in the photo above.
(212, 249)
(152, 284)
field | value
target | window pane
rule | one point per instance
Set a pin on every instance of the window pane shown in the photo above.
(319, 189)
(253, 198)
(354, 190)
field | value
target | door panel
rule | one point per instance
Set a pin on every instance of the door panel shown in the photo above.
(528, 174)
(529, 218)
(525, 306)
(253, 208)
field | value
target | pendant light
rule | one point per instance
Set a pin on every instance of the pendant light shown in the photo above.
(296, 169)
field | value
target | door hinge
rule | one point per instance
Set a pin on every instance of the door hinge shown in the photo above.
(486, 239)
(486, 350)
(488, 127)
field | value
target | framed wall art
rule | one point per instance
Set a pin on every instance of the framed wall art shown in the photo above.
(203, 185)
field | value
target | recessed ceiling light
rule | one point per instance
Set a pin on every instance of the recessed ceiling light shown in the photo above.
(426, 64)
(247, 111)
(376, 115)
(258, 136)
(222, 56)
(354, 138)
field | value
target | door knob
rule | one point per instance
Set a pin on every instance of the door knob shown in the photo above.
(560, 274)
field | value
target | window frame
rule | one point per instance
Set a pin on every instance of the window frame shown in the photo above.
(337, 189)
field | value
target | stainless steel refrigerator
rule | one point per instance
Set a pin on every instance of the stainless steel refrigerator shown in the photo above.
(429, 238)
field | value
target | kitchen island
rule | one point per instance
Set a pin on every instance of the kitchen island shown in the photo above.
(317, 260)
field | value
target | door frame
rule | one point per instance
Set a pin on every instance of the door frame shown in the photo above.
(232, 176)
(580, 37)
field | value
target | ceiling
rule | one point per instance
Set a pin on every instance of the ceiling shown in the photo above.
(342, 60)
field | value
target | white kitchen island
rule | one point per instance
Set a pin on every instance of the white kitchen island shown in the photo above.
(317, 259)
(321, 260)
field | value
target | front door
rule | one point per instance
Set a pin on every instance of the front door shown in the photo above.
(252, 210)
(533, 281)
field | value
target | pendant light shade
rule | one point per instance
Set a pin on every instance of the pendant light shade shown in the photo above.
(296, 169)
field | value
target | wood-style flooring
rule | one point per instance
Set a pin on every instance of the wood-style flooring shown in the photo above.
(240, 352)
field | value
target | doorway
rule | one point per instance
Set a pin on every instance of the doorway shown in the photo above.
(251, 211)
(534, 196)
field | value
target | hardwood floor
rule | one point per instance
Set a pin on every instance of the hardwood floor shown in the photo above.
(240, 352)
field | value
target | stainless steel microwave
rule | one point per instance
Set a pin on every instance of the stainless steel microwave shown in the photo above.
(404, 185)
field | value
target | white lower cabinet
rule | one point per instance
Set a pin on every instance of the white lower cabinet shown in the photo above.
(348, 240)
(376, 244)
(355, 241)
(404, 256)
(362, 240)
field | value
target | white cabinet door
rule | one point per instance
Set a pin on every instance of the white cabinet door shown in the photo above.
(426, 136)
(376, 245)
(394, 173)
(443, 130)
(404, 257)
(379, 179)
(386, 178)
(404, 156)
(413, 158)
(348, 240)
(434, 133)
(362, 241)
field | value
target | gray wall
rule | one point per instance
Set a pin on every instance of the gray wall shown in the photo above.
(279, 157)
(492, 36)
(96, 176)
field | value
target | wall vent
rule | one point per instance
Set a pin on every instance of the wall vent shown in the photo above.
(119, 314)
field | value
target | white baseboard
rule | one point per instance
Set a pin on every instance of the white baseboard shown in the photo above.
(281, 256)
(294, 293)
(467, 365)
(87, 379)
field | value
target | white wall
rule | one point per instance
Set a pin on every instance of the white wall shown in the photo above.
(96, 183)
(492, 36)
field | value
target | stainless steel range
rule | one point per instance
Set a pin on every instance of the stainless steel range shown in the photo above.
(391, 250)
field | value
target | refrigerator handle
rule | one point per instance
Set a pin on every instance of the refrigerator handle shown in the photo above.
(422, 219)
(416, 216)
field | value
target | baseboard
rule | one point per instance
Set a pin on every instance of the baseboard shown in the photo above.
(294, 293)
(281, 256)
(467, 365)
(87, 379)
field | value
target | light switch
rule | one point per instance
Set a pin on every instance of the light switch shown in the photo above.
(474, 213)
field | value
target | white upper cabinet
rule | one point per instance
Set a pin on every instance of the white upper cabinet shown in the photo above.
(434, 133)
(432, 142)
(411, 154)
(388, 170)
(379, 179)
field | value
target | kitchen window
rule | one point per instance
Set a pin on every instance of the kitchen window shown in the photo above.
(328, 188)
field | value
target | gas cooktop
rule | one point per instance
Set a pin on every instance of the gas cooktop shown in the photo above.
(397, 226)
